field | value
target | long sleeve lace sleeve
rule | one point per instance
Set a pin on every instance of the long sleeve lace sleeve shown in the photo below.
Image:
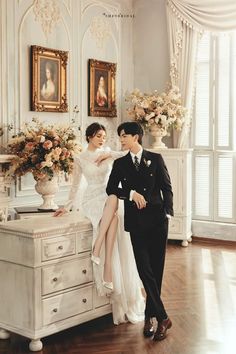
(115, 154)
(76, 178)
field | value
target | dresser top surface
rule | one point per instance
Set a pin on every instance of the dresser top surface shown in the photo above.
(46, 224)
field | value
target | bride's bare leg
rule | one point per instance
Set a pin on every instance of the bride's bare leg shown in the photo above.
(109, 244)
(109, 211)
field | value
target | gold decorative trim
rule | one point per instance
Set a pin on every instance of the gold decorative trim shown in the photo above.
(98, 69)
(57, 102)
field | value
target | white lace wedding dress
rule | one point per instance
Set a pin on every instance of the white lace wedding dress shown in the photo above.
(127, 300)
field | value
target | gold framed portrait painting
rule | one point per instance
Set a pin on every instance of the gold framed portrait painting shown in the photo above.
(102, 93)
(48, 79)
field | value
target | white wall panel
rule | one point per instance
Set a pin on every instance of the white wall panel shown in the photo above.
(20, 28)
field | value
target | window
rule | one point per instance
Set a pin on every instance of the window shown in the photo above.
(214, 137)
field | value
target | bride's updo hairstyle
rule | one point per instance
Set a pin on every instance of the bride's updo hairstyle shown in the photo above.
(92, 130)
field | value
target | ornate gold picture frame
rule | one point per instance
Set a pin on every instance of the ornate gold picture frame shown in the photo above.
(48, 80)
(102, 89)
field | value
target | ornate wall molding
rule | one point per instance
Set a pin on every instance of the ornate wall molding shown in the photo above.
(3, 71)
(68, 6)
(100, 30)
(66, 23)
(47, 12)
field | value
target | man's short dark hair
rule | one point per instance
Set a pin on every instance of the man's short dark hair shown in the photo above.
(132, 128)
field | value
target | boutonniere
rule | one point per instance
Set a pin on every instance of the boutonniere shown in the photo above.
(147, 162)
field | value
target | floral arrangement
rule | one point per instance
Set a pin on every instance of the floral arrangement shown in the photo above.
(43, 150)
(164, 110)
(8, 127)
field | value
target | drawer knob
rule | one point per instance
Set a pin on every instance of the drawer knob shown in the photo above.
(60, 247)
(84, 300)
(54, 310)
(84, 271)
(55, 279)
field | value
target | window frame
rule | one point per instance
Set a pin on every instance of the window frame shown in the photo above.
(213, 150)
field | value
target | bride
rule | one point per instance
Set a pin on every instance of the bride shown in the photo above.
(113, 260)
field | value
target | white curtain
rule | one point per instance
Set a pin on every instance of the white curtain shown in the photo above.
(187, 19)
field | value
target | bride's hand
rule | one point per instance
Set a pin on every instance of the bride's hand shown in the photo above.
(101, 158)
(139, 200)
(60, 212)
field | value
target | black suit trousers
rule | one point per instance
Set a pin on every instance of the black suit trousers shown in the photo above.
(149, 250)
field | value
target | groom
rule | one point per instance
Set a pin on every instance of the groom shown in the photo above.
(141, 179)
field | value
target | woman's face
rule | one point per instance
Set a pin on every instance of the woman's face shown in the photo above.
(48, 74)
(101, 82)
(98, 140)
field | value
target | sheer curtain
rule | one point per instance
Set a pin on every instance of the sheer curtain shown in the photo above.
(187, 20)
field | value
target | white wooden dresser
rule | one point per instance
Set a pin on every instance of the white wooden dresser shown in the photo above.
(46, 277)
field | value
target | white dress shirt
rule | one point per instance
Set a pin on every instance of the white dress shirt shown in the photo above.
(139, 155)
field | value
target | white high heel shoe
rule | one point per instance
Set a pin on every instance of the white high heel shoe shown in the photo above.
(108, 285)
(95, 259)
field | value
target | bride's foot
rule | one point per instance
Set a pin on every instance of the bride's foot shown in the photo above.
(107, 277)
(95, 259)
(108, 285)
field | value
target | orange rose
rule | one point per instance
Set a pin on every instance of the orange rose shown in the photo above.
(29, 146)
(47, 145)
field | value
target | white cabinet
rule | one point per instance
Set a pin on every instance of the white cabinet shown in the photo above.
(46, 276)
(179, 164)
(5, 182)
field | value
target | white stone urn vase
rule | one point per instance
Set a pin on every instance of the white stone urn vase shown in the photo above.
(157, 133)
(47, 188)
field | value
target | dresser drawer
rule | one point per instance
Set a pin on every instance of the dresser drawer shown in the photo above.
(99, 300)
(84, 241)
(66, 305)
(58, 247)
(176, 225)
(66, 275)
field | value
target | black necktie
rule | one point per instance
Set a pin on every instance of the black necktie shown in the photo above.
(136, 163)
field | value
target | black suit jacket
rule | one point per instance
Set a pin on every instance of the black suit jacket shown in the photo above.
(152, 181)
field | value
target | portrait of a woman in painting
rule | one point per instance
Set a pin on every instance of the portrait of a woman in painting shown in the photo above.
(101, 94)
(49, 81)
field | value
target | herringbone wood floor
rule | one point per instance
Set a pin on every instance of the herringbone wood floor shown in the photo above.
(199, 292)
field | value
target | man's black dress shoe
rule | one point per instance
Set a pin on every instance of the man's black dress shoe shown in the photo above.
(148, 329)
(162, 328)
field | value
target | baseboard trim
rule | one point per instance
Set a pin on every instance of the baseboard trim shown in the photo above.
(214, 230)
(213, 241)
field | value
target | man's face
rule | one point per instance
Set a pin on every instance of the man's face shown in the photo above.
(127, 140)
